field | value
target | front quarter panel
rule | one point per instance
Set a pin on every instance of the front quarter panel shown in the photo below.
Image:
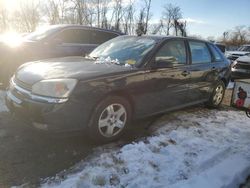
(128, 84)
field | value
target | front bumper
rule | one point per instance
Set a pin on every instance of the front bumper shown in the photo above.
(240, 74)
(55, 117)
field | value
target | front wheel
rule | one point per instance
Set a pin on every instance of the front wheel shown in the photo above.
(110, 119)
(217, 95)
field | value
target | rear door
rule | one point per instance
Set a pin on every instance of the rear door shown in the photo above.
(203, 71)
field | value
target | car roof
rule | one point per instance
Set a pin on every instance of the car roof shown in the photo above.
(63, 26)
(164, 37)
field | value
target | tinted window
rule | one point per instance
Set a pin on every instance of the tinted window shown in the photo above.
(79, 36)
(99, 37)
(200, 52)
(172, 52)
(216, 54)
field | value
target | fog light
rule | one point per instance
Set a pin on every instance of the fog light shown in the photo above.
(40, 126)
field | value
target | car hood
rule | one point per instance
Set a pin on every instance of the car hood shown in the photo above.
(245, 59)
(240, 53)
(79, 68)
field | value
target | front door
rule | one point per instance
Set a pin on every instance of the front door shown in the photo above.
(167, 78)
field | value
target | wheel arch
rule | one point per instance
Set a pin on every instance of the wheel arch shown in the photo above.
(118, 93)
(125, 95)
(225, 81)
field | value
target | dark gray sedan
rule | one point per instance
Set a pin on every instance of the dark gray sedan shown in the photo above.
(125, 78)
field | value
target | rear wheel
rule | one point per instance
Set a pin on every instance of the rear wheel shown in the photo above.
(110, 119)
(248, 113)
(217, 95)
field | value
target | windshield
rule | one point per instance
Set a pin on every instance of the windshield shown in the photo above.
(244, 48)
(41, 33)
(124, 50)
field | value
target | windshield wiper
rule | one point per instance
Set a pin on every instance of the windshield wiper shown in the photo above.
(91, 57)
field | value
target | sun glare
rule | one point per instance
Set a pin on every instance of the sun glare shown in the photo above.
(12, 39)
(11, 5)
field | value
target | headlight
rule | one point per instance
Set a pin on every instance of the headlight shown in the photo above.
(58, 88)
(228, 55)
(233, 64)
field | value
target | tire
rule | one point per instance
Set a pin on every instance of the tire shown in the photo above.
(248, 113)
(110, 119)
(217, 95)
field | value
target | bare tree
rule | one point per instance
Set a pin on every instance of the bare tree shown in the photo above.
(27, 17)
(225, 35)
(104, 11)
(238, 36)
(117, 14)
(177, 15)
(143, 18)
(167, 16)
(128, 18)
(140, 30)
(147, 8)
(183, 29)
(241, 34)
(171, 16)
(52, 10)
(3, 17)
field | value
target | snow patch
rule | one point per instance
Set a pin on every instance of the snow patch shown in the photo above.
(212, 151)
(230, 85)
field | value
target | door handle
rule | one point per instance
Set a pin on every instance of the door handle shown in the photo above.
(185, 73)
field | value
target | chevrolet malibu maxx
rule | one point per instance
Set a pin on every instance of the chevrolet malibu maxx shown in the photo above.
(125, 78)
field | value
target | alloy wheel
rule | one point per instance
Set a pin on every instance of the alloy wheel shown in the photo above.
(112, 120)
(218, 96)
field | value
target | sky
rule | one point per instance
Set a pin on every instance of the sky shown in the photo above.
(208, 17)
(205, 17)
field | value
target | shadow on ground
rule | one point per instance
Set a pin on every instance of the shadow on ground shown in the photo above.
(28, 155)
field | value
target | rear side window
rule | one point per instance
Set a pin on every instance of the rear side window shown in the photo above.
(99, 37)
(172, 52)
(200, 52)
(78, 36)
(215, 52)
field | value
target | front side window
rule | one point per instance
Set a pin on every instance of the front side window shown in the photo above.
(215, 52)
(173, 52)
(78, 36)
(199, 52)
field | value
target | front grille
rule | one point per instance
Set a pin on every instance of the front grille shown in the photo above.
(242, 65)
(22, 84)
(233, 58)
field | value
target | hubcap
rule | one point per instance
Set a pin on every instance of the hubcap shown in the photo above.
(218, 96)
(112, 120)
